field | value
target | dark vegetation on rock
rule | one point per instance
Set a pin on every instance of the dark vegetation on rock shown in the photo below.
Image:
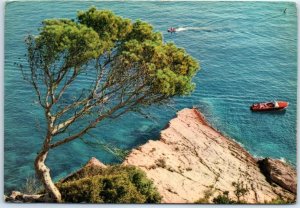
(114, 184)
(223, 199)
(240, 191)
(97, 183)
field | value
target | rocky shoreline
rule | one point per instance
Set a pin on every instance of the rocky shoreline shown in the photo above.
(192, 159)
(193, 162)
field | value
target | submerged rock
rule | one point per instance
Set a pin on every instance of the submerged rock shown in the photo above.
(193, 161)
(280, 173)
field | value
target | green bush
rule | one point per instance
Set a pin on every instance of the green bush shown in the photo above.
(83, 190)
(114, 184)
(223, 199)
(207, 194)
(280, 201)
(161, 162)
(202, 201)
(240, 191)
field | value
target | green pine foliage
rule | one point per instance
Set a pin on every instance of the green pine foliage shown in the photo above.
(63, 38)
(114, 184)
(134, 48)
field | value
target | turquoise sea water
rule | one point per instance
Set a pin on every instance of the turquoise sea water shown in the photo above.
(248, 53)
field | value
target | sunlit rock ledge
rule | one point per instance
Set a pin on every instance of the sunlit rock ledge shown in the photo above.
(191, 159)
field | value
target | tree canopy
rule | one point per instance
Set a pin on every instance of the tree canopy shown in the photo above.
(126, 63)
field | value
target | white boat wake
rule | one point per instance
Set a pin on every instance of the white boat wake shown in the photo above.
(180, 29)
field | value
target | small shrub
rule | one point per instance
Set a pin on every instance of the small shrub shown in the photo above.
(161, 162)
(279, 200)
(202, 201)
(223, 199)
(207, 195)
(240, 190)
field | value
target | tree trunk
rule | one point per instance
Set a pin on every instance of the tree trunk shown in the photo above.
(43, 173)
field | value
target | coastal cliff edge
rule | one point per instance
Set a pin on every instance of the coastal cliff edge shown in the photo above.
(191, 159)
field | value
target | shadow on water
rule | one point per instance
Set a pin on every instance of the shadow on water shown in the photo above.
(114, 148)
(274, 112)
(141, 137)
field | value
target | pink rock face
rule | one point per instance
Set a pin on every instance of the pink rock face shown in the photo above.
(191, 159)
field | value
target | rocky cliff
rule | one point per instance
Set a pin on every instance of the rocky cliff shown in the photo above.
(193, 161)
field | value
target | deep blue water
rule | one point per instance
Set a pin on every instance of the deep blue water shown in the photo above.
(248, 53)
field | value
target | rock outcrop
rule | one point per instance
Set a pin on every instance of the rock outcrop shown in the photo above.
(280, 173)
(18, 197)
(93, 162)
(193, 161)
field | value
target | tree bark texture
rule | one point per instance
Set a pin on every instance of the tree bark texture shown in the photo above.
(43, 173)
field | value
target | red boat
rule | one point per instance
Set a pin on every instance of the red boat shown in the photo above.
(269, 106)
